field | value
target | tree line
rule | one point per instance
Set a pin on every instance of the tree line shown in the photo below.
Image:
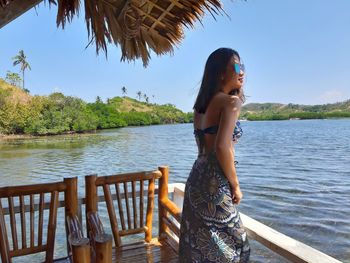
(57, 114)
(277, 111)
(264, 116)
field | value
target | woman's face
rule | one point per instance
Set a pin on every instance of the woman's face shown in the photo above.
(232, 79)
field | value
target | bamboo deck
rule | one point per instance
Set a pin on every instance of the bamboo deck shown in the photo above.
(155, 251)
(139, 252)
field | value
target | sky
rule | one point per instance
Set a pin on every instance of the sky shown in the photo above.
(295, 51)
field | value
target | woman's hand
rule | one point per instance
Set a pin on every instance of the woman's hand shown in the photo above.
(236, 195)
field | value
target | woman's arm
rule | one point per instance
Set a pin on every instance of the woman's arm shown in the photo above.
(223, 145)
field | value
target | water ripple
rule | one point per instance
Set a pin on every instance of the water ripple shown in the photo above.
(295, 175)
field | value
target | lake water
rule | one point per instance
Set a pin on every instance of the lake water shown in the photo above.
(295, 175)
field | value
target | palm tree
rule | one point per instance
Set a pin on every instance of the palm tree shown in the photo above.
(147, 99)
(145, 96)
(124, 90)
(139, 94)
(98, 99)
(21, 59)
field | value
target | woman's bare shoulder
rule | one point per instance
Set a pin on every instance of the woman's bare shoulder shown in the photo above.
(227, 101)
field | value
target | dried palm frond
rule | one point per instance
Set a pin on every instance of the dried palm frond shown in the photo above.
(3, 3)
(138, 26)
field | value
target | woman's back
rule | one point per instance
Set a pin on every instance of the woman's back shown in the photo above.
(210, 118)
(207, 124)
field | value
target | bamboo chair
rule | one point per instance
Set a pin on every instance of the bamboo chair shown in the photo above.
(129, 200)
(34, 196)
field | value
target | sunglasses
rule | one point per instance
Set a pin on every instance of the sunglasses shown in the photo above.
(238, 68)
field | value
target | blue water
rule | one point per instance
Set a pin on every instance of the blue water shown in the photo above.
(295, 175)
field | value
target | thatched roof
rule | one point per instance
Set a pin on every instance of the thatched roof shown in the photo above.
(138, 26)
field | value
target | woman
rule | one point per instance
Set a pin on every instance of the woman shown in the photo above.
(211, 229)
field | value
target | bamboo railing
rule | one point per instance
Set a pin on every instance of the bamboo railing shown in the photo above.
(29, 199)
(287, 247)
(170, 198)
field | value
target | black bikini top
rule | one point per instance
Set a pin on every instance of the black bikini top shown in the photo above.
(237, 132)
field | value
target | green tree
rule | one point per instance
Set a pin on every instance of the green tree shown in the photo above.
(98, 99)
(13, 78)
(22, 60)
(139, 94)
(124, 91)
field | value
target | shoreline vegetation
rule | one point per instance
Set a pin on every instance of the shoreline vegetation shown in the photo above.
(277, 111)
(25, 116)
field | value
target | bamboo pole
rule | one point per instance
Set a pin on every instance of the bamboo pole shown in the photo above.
(4, 245)
(150, 207)
(91, 198)
(71, 203)
(81, 253)
(103, 247)
(162, 196)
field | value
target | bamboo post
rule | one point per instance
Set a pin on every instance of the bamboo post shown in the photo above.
(103, 247)
(51, 228)
(91, 198)
(81, 253)
(4, 244)
(150, 207)
(71, 196)
(162, 195)
(70, 203)
(80, 246)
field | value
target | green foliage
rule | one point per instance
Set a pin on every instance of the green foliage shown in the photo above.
(13, 78)
(338, 114)
(106, 116)
(296, 115)
(275, 111)
(264, 117)
(40, 115)
(121, 112)
(21, 113)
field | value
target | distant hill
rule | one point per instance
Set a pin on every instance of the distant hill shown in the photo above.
(278, 111)
(127, 104)
(21, 113)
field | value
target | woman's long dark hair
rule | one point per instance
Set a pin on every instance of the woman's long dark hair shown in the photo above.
(215, 68)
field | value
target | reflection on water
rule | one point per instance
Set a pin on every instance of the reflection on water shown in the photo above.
(295, 175)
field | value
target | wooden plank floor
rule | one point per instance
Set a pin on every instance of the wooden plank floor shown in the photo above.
(155, 252)
(139, 252)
